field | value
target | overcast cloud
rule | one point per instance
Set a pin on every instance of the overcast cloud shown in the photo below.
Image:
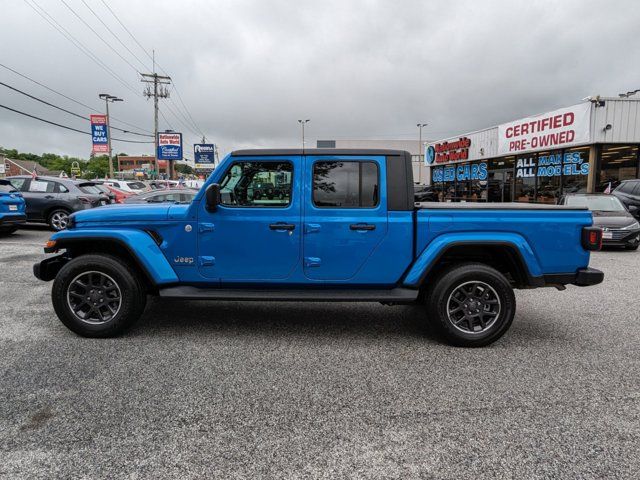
(247, 70)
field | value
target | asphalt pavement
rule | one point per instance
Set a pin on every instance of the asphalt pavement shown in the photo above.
(286, 390)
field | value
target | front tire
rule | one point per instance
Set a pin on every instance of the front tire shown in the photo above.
(98, 296)
(632, 247)
(471, 305)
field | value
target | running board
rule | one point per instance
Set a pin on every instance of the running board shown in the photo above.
(395, 295)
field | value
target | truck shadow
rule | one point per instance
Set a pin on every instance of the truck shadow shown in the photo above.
(313, 319)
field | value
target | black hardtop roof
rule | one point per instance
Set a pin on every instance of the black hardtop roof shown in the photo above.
(317, 151)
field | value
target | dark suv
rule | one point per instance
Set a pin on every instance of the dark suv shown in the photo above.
(51, 200)
(629, 194)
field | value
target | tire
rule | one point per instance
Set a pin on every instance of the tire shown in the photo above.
(112, 316)
(448, 304)
(58, 219)
(8, 230)
(632, 247)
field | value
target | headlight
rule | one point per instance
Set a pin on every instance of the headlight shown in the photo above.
(633, 226)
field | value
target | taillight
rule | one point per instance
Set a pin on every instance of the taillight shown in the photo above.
(592, 238)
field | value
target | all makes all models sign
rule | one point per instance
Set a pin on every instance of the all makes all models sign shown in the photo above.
(561, 128)
(169, 146)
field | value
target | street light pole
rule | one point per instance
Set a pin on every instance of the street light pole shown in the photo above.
(420, 125)
(303, 123)
(109, 99)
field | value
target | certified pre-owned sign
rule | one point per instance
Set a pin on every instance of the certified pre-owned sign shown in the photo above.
(561, 128)
(170, 146)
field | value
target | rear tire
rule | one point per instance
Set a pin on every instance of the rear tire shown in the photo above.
(58, 219)
(98, 296)
(470, 305)
(8, 230)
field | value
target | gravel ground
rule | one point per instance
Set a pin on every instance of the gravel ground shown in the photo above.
(232, 390)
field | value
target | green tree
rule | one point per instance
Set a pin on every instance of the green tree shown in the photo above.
(184, 169)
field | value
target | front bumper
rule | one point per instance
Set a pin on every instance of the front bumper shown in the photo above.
(584, 277)
(48, 268)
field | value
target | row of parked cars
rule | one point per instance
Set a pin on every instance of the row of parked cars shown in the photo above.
(51, 199)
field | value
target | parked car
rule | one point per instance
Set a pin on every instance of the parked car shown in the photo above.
(97, 189)
(629, 194)
(12, 208)
(619, 227)
(118, 195)
(181, 195)
(424, 193)
(350, 232)
(131, 186)
(163, 184)
(51, 199)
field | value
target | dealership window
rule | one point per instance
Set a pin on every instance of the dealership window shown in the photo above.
(617, 163)
(525, 181)
(348, 184)
(575, 170)
(500, 181)
(257, 184)
(549, 173)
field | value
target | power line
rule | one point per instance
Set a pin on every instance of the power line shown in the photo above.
(69, 98)
(186, 121)
(65, 33)
(65, 110)
(114, 35)
(64, 126)
(151, 57)
(100, 37)
(165, 119)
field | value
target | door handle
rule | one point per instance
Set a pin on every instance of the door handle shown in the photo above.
(363, 227)
(48, 196)
(282, 226)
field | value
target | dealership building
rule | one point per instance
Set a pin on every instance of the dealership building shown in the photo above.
(581, 148)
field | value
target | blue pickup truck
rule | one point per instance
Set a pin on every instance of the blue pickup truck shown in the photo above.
(342, 225)
(12, 208)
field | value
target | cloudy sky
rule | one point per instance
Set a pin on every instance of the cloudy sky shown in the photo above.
(247, 70)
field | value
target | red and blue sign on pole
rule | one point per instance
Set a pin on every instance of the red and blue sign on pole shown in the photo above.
(99, 135)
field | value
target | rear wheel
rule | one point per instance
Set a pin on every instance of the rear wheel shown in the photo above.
(58, 219)
(98, 296)
(471, 305)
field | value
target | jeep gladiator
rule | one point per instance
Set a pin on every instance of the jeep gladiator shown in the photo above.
(344, 227)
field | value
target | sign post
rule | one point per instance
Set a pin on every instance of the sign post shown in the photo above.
(99, 134)
(204, 155)
(169, 148)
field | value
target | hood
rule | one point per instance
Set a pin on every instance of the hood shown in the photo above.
(124, 213)
(612, 219)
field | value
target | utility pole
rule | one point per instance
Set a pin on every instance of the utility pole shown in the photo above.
(159, 90)
(420, 155)
(303, 123)
(109, 99)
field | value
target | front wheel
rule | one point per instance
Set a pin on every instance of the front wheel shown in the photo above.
(98, 296)
(471, 305)
(632, 247)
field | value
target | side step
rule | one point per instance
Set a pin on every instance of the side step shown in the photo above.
(395, 295)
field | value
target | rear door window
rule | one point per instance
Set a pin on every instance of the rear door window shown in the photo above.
(346, 184)
(41, 186)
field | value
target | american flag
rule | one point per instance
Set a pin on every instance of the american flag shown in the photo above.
(34, 174)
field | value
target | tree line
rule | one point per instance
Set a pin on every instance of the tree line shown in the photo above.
(94, 167)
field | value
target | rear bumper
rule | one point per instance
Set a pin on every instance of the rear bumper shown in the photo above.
(582, 278)
(12, 219)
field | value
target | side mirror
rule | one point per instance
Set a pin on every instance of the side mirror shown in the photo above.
(212, 195)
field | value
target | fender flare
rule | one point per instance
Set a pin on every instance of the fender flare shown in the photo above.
(138, 243)
(439, 246)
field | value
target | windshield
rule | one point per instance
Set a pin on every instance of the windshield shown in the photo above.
(6, 187)
(136, 185)
(600, 203)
